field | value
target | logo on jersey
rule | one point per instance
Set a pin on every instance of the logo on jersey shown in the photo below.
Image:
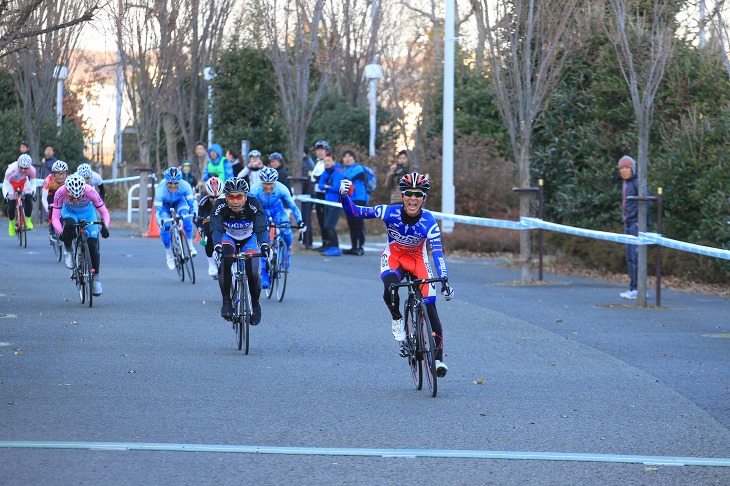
(406, 240)
(238, 224)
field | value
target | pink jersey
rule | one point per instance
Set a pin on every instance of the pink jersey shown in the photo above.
(15, 179)
(90, 198)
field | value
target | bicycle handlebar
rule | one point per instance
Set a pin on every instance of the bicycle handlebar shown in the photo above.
(176, 218)
(246, 256)
(418, 282)
(85, 223)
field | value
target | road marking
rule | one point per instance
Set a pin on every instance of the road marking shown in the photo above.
(403, 453)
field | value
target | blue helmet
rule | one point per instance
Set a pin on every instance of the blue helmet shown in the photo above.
(269, 174)
(276, 156)
(173, 174)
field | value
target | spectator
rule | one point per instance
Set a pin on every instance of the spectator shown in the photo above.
(398, 168)
(252, 171)
(187, 174)
(50, 159)
(236, 160)
(356, 173)
(320, 149)
(630, 210)
(200, 159)
(276, 161)
(24, 147)
(307, 167)
(217, 165)
(329, 185)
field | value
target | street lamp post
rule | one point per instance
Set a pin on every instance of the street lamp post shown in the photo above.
(208, 75)
(60, 73)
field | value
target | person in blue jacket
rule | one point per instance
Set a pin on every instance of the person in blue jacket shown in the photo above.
(173, 192)
(273, 194)
(356, 173)
(218, 165)
(329, 182)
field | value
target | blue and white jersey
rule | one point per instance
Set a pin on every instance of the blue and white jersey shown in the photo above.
(273, 203)
(164, 199)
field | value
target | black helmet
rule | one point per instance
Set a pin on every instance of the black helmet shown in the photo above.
(237, 184)
(414, 180)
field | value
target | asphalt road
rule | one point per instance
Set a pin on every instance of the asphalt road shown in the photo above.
(537, 372)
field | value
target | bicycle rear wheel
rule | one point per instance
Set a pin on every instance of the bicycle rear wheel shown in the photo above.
(281, 270)
(429, 351)
(415, 362)
(78, 274)
(188, 260)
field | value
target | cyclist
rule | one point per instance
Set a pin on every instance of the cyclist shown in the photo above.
(51, 184)
(19, 176)
(74, 201)
(173, 192)
(92, 178)
(213, 189)
(273, 194)
(409, 226)
(234, 222)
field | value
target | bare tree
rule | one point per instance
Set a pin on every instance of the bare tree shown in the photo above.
(150, 39)
(201, 36)
(33, 63)
(642, 34)
(721, 31)
(294, 45)
(19, 21)
(527, 41)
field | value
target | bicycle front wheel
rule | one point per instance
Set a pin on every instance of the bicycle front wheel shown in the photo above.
(412, 344)
(188, 260)
(177, 254)
(20, 229)
(281, 270)
(238, 314)
(78, 274)
(271, 269)
(429, 351)
(86, 269)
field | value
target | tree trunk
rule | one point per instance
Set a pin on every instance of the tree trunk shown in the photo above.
(525, 200)
(171, 134)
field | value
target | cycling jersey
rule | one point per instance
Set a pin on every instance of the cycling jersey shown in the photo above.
(84, 208)
(273, 203)
(241, 225)
(182, 201)
(406, 247)
(15, 179)
(50, 186)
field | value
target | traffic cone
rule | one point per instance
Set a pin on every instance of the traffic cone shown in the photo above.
(153, 231)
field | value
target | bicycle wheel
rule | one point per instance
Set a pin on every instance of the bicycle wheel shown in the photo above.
(78, 274)
(281, 271)
(246, 298)
(56, 247)
(429, 350)
(414, 359)
(238, 314)
(271, 268)
(20, 228)
(177, 253)
(86, 269)
(188, 260)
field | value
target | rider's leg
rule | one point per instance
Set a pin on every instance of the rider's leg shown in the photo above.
(12, 203)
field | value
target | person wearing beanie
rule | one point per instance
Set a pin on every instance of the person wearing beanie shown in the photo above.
(630, 211)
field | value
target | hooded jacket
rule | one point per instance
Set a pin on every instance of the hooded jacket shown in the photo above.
(221, 168)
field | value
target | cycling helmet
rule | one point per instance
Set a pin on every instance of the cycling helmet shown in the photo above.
(276, 155)
(237, 184)
(59, 166)
(84, 170)
(24, 161)
(213, 187)
(173, 175)
(269, 174)
(75, 185)
(414, 180)
(254, 153)
(322, 144)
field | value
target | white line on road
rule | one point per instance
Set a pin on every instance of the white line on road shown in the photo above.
(403, 453)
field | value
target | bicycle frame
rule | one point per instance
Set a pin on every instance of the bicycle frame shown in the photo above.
(241, 298)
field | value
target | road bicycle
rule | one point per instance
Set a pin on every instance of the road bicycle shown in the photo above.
(21, 231)
(82, 272)
(278, 266)
(55, 242)
(180, 248)
(241, 299)
(420, 346)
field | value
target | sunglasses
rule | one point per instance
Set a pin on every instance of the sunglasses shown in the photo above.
(417, 194)
(235, 197)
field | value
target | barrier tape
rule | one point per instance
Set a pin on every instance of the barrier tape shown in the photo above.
(39, 182)
(536, 223)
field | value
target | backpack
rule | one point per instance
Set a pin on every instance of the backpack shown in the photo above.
(372, 180)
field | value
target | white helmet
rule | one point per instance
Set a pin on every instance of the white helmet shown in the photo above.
(75, 185)
(24, 161)
(59, 166)
(84, 170)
